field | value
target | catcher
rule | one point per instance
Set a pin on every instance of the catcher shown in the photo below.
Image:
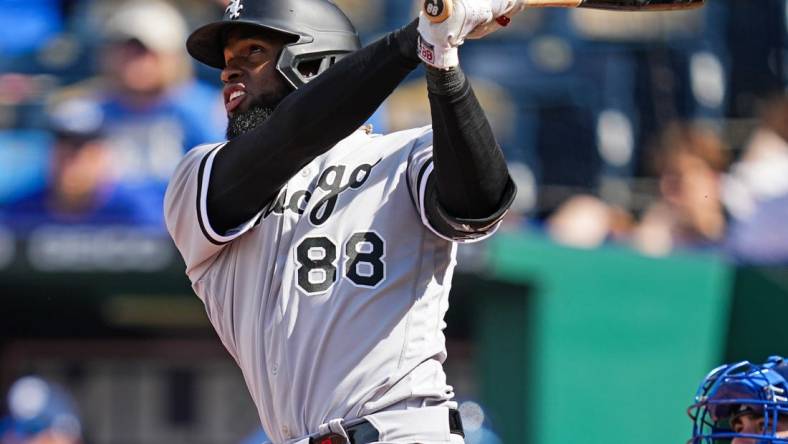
(742, 403)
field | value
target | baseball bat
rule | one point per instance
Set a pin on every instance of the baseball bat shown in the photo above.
(439, 10)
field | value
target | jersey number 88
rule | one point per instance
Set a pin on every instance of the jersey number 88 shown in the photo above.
(364, 264)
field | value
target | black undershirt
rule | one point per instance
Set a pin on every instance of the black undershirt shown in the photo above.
(471, 178)
(472, 182)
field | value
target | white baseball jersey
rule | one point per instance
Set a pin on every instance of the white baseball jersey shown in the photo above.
(332, 298)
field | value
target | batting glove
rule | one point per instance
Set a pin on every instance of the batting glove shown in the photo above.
(439, 42)
(503, 11)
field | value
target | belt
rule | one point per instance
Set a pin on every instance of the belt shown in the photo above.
(362, 432)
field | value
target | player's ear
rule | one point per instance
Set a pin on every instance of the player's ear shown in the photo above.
(737, 424)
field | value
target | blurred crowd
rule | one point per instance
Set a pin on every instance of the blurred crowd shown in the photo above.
(661, 132)
(100, 102)
(704, 199)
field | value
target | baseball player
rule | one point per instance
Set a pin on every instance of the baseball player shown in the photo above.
(324, 254)
(742, 403)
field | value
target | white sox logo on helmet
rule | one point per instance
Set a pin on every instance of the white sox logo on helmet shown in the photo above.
(234, 9)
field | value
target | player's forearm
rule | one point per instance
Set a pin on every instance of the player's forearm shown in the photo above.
(471, 177)
(251, 169)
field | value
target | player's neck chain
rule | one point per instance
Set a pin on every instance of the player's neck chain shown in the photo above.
(334, 181)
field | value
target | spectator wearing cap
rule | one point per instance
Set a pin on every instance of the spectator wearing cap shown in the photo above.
(80, 188)
(154, 108)
(40, 412)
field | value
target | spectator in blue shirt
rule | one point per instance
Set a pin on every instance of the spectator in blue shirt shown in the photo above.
(154, 108)
(80, 188)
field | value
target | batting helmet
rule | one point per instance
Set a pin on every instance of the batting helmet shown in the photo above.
(321, 33)
(741, 388)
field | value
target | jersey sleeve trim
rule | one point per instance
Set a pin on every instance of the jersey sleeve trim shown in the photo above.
(451, 228)
(203, 179)
(481, 224)
(421, 182)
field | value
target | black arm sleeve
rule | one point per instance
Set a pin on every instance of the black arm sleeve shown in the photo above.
(251, 168)
(471, 183)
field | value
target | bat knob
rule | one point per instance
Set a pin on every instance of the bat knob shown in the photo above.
(437, 11)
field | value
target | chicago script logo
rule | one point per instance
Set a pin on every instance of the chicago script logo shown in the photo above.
(334, 180)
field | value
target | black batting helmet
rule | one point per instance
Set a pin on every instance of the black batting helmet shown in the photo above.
(322, 34)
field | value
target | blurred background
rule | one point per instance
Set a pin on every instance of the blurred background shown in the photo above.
(647, 245)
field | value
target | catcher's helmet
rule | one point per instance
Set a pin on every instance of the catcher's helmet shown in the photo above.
(321, 32)
(741, 388)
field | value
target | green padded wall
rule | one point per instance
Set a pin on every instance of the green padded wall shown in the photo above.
(760, 304)
(616, 343)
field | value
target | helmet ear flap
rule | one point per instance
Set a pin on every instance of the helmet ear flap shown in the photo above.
(310, 68)
(300, 69)
(329, 61)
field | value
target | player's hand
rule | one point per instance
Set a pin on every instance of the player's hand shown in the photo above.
(503, 11)
(439, 41)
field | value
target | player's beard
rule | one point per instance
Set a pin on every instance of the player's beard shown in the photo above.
(248, 120)
(258, 112)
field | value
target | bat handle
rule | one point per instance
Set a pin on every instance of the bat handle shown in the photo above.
(437, 11)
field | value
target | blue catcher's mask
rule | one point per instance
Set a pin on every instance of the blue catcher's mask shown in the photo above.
(741, 388)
